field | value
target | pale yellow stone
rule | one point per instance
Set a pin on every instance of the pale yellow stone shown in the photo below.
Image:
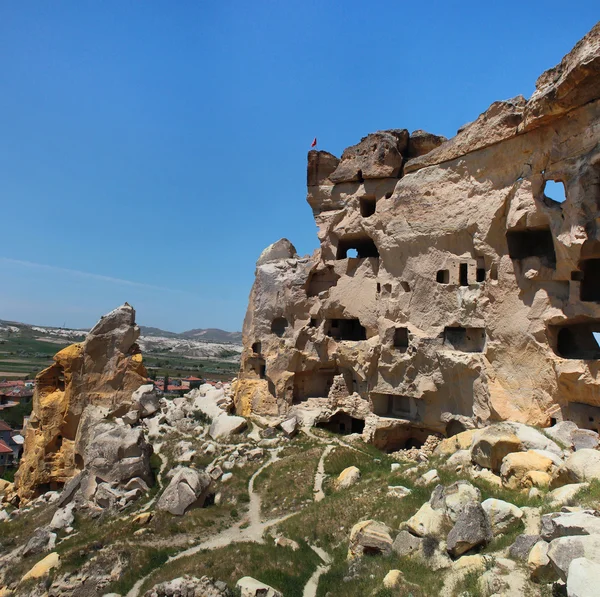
(143, 518)
(516, 465)
(393, 579)
(44, 566)
(349, 476)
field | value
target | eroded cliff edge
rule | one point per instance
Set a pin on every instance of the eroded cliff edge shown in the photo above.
(448, 291)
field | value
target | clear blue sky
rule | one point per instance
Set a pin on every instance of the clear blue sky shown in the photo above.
(151, 150)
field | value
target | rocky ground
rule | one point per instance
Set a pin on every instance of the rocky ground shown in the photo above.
(228, 504)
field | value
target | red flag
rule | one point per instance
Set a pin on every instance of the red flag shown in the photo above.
(314, 143)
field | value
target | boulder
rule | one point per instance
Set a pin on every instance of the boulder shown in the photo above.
(282, 249)
(565, 495)
(538, 562)
(348, 477)
(290, 426)
(472, 529)
(517, 465)
(43, 567)
(406, 544)
(63, 517)
(393, 579)
(564, 550)
(503, 516)
(41, 540)
(520, 549)
(453, 499)
(493, 444)
(370, 537)
(427, 521)
(225, 426)
(428, 478)
(398, 491)
(569, 523)
(532, 439)
(584, 439)
(460, 441)
(422, 142)
(583, 465)
(147, 400)
(188, 488)
(562, 432)
(583, 578)
(250, 587)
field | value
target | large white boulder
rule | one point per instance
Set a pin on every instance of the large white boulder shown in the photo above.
(583, 465)
(583, 578)
(225, 425)
(250, 587)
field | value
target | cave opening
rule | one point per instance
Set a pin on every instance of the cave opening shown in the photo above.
(532, 243)
(361, 243)
(346, 329)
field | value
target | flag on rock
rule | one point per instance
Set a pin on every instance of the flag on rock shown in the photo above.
(314, 143)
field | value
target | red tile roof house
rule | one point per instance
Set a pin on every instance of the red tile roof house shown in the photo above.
(7, 443)
(6, 456)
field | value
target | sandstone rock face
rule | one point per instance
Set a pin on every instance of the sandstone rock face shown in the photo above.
(103, 372)
(449, 291)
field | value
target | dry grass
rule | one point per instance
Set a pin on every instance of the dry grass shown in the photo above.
(280, 567)
(287, 485)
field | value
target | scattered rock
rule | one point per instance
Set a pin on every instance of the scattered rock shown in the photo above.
(348, 477)
(583, 465)
(540, 567)
(225, 426)
(370, 537)
(583, 578)
(393, 579)
(427, 521)
(472, 529)
(564, 550)
(188, 488)
(250, 587)
(520, 549)
(493, 444)
(43, 567)
(564, 496)
(503, 516)
(406, 544)
(454, 498)
(290, 427)
(568, 524)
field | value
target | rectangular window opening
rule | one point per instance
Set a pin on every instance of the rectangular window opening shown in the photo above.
(464, 277)
(367, 206)
(532, 243)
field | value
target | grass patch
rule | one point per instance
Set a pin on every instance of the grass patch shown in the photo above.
(287, 484)
(589, 497)
(281, 567)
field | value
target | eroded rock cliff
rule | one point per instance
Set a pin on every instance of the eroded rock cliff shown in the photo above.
(449, 291)
(103, 371)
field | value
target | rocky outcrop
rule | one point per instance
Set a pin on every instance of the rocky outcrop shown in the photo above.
(449, 290)
(103, 372)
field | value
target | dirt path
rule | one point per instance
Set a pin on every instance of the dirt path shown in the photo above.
(252, 531)
(320, 474)
(310, 588)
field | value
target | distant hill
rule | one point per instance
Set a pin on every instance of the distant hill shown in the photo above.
(214, 335)
(202, 335)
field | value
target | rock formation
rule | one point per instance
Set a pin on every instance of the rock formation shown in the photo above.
(449, 291)
(103, 372)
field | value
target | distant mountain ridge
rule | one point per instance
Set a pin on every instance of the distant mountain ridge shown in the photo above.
(215, 335)
(203, 335)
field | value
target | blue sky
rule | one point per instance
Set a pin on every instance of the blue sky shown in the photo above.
(151, 150)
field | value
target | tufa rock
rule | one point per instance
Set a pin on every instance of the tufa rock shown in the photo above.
(369, 537)
(438, 278)
(104, 371)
